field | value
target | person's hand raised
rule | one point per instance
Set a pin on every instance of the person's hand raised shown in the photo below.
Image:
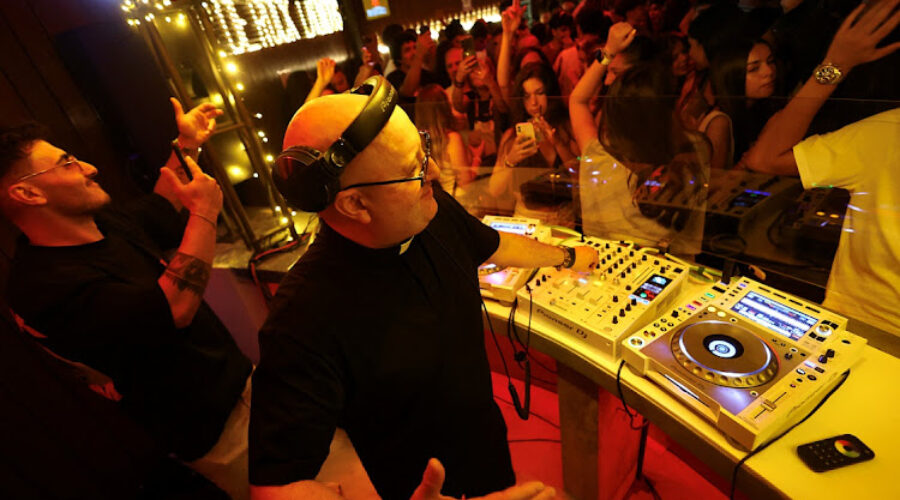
(856, 41)
(522, 148)
(424, 44)
(201, 196)
(512, 17)
(325, 70)
(619, 38)
(433, 481)
(197, 125)
(467, 66)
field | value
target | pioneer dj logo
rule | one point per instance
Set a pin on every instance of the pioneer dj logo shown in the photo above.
(571, 328)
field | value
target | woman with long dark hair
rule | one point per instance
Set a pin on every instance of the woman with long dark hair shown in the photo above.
(521, 159)
(643, 176)
(433, 115)
(744, 76)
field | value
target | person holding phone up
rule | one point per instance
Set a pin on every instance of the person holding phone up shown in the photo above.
(95, 281)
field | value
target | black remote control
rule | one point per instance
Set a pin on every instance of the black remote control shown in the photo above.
(834, 452)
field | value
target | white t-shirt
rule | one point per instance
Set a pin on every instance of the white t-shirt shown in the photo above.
(864, 158)
(609, 209)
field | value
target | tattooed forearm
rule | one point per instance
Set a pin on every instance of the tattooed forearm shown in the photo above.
(188, 273)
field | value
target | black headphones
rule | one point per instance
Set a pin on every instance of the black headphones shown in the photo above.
(309, 179)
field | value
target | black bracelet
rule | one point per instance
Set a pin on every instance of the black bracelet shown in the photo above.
(568, 259)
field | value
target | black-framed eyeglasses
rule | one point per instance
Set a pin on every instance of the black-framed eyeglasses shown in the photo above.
(420, 176)
(69, 161)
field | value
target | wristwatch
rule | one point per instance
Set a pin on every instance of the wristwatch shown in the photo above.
(603, 57)
(828, 74)
(568, 258)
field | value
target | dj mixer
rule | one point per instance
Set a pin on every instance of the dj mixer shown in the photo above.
(630, 286)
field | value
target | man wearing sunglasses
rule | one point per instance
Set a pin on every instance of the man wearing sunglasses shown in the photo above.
(378, 330)
(94, 280)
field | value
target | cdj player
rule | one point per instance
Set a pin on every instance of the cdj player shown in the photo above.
(748, 358)
(630, 286)
(501, 283)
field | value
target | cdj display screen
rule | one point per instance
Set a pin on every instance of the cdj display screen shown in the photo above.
(749, 198)
(514, 227)
(776, 317)
(650, 289)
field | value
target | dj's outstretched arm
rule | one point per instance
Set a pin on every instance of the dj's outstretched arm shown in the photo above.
(520, 251)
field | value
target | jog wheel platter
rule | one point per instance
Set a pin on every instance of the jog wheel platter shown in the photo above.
(724, 354)
(748, 358)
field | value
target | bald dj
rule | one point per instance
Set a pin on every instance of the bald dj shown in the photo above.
(377, 329)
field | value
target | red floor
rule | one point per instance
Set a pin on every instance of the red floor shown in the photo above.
(535, 449)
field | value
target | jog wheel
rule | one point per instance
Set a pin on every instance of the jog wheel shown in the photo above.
(724, 354)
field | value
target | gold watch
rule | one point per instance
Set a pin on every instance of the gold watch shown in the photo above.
(828, 74)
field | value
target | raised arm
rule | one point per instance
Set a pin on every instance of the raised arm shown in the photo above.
(324, 74)
(185, 278)
(512, 17)
(424, 44)
(583, 127)
(856, 42)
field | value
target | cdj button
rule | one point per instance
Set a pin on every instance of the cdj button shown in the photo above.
(801, 371)
(811, 377)
(788, 355)
(820, 369)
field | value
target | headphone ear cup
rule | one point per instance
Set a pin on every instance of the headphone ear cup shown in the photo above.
(300, 177)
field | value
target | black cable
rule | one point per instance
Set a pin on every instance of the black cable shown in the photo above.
(737, 466)
(535, 415)
(628, 411)
(513, 330)
(523, 410)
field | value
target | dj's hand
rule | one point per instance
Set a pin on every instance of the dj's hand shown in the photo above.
(433, 481)
(586, 259)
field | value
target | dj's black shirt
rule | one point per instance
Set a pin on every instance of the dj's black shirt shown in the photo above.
(100, 304)
(390, 348)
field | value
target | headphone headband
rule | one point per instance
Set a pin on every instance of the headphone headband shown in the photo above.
(309, 179)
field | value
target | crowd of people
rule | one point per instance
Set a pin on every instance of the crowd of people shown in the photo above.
(620, 117)
(612, 117)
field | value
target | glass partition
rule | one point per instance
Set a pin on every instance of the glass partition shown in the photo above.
(653, 182)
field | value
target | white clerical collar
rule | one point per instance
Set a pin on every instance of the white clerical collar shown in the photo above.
(405, 245)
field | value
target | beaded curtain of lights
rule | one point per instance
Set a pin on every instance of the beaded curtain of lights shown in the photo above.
(193, 43)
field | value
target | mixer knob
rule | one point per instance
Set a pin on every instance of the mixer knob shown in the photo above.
(633, 301)
(644, 257)
(674, 314)
(615, 320)
(655, 262)
(615, 265)
(615, 298)
(627, 307)
(622, 312)
(631, 253)
(607, 246)
(623, 274)
(829, 353)
(619, 250)
(662, 269)
(634, 265)
(621, 261)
